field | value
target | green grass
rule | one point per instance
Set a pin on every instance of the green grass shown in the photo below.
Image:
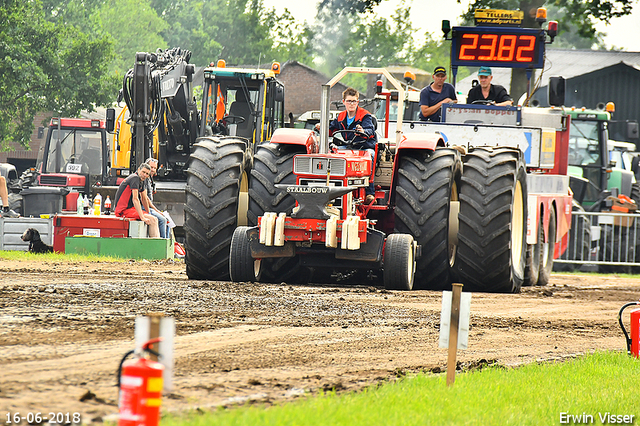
(53, 257)
(533, 394)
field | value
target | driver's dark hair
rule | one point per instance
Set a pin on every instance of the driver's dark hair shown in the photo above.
(350, 91)
(144, 166)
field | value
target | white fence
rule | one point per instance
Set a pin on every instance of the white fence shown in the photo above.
(602, 238)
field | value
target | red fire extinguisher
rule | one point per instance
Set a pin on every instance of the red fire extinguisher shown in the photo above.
(633, 342)
(140, 384)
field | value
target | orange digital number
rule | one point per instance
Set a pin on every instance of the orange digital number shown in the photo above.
(526, 49)
(506, 48)
(490, 48)
(464, 47)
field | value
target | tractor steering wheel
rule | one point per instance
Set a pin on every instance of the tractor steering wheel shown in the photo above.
(483, 102)
(234, 119)
(346, 142)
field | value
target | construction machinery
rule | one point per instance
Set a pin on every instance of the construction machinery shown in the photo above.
(238, 107)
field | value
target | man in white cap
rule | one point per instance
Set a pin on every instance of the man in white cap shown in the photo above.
(488, 93)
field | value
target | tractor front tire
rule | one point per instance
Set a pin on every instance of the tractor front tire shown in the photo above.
(243, 267)
(493, 221)
(427, 183)
(399, 262)
(215, 175)
(273, 164)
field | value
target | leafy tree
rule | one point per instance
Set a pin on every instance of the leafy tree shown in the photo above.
(47, 66)
(134, 26)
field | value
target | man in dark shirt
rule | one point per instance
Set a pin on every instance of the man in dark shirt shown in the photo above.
(493, 94)
(435, 94)
(127, 200)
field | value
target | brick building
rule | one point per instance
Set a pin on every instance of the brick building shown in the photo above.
(22, 157)
(302, 85)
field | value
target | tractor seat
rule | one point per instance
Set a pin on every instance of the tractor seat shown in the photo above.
(243, 107)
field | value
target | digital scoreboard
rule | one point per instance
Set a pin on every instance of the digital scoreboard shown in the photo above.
(497, 47)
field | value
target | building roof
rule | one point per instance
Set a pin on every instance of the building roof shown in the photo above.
(562, 62)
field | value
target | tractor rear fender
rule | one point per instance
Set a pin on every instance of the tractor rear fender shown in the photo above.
(420, 141)
(304, 137)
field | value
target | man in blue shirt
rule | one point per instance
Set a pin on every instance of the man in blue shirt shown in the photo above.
(435, 94)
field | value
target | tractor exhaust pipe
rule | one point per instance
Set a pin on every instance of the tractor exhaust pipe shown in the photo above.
(324, 119)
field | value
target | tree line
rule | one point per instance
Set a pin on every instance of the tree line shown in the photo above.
(70, 55)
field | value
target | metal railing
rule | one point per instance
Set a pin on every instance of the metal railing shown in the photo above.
(603, 238)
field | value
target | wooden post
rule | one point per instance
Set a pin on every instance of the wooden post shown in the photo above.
(154, 330)
(453, 333)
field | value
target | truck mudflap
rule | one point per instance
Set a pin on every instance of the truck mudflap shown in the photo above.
(369, 251)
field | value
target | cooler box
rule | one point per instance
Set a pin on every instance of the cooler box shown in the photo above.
(39, 200)
(92, 226)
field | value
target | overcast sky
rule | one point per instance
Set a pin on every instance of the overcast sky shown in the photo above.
(622, 33)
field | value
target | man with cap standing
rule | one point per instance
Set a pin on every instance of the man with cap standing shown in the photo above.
(490, 93)
(435, 94)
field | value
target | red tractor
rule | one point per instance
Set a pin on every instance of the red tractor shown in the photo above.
(306, 203)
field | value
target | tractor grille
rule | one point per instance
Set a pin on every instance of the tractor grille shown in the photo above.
(49, 180)
(318, 166)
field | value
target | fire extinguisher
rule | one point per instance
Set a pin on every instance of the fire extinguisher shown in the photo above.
(633, 342)
(140, 384)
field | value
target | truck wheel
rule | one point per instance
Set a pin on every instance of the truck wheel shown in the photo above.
(399, 262)
(579, 244)
(635, 192)
(215, 175)
(243, 267)
(427, 183)
(547, 251)
(534, 256)
(493, 221)
(273, 164)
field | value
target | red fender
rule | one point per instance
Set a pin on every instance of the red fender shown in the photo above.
(420, 141)
(305, 137)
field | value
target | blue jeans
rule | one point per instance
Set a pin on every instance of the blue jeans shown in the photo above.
(162, 223)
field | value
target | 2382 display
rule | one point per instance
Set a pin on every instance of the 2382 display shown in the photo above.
(498, 47)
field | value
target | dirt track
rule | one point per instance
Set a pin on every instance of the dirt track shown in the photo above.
(64, 328)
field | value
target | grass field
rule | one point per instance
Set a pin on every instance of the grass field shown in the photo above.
(591, 386)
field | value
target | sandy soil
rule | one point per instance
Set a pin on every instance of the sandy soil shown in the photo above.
(65, 327)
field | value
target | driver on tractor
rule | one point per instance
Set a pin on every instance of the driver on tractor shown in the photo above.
(358, 129)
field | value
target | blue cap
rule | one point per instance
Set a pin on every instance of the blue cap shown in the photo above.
(484, 71)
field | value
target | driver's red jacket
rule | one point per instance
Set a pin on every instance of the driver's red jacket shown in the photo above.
(362, 118)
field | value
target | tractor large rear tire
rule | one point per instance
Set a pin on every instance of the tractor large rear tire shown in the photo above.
(492, 221)
(215, 175)
(273, 164)
(427, 183)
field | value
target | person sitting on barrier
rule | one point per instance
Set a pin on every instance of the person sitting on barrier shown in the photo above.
(485, 92)
(435, 94)
(147, 199)
(358, 132)
(127, 200)
(4, 195)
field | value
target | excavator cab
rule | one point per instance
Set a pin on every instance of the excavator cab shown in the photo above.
(247, 103)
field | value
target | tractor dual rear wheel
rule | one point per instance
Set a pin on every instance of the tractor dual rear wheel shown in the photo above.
(492, 221)
(215, 177)
(427, 184)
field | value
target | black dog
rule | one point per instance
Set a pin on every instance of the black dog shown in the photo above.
(35, 243)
